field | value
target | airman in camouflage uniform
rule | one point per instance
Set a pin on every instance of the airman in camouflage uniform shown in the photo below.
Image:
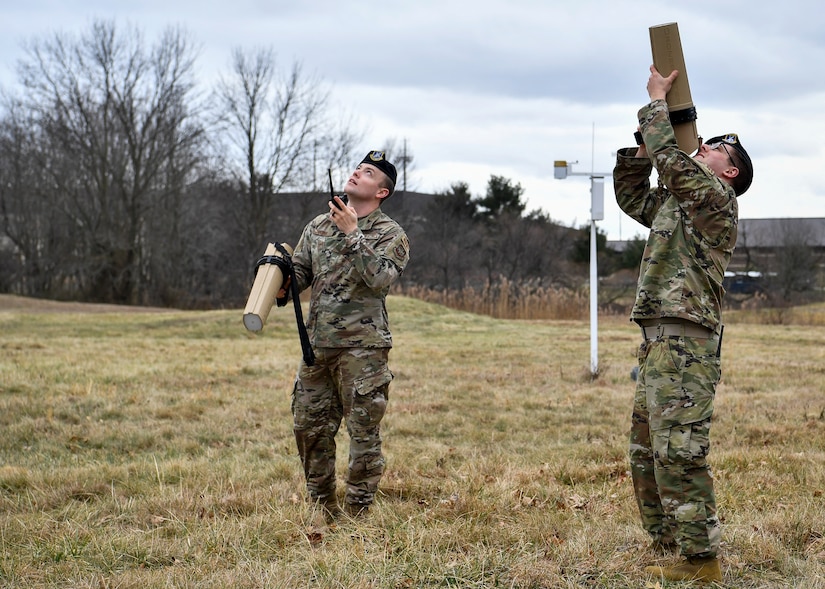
(692, 216)
(349, 257)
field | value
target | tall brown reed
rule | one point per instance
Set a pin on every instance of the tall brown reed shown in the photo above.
(506, 299)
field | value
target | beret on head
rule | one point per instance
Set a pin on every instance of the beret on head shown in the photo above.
(379, 160)
(743, 160)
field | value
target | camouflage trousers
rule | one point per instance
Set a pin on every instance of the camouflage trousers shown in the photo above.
(350, 384)
(670, 441)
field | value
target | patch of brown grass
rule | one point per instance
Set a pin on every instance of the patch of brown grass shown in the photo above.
(155, 450)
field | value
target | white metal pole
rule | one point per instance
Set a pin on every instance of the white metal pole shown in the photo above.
(594, 302)
(562, 169)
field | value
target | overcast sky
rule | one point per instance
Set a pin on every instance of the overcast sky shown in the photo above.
(506, 87)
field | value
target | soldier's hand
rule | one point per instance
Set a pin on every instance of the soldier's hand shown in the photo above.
(657, 85)
(345, 218)
(284, 288)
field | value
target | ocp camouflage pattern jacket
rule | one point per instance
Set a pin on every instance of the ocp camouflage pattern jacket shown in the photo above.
(692, 216)
(350, 276)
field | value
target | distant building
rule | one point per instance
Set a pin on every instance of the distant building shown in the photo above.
(761, 239)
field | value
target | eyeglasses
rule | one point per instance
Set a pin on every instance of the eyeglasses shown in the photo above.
(718, 144)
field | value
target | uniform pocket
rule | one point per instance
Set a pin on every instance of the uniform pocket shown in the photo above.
(686, 444)
(378, 381)
(370, 402)
(681, 382)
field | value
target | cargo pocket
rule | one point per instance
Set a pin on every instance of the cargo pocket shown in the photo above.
(371, 382)
(372, 393)
(686, 445)
(681, 383)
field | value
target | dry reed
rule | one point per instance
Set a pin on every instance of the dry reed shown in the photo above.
(505, 299)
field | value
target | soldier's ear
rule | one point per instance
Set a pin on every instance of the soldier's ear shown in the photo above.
(731, 172)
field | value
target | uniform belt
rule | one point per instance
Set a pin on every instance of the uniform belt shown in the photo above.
(684, 329)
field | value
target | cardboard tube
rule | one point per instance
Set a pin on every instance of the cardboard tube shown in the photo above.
(268, 282)
(666, 47)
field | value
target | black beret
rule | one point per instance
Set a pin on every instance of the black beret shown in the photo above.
(745, 165)
(379, 160)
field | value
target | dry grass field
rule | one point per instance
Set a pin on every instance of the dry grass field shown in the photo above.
(154, 449)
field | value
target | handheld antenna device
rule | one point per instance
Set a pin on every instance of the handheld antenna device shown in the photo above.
(332, 192)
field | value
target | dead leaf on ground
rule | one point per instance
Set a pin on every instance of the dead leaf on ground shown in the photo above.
(315, 536)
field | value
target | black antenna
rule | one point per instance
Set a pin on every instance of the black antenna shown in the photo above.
(343, 197)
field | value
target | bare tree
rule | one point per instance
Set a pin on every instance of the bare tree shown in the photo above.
(277, 130)
(403, 159)
(450, 239)
(500, 210)
(31, 224)
(118, 141)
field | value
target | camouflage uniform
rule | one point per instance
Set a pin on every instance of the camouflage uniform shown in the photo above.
(692, 216)
(350, 276)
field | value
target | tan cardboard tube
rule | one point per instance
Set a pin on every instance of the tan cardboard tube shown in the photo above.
(666, 46)
(268, 282)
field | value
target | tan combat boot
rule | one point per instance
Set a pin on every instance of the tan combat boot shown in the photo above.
(692, 569)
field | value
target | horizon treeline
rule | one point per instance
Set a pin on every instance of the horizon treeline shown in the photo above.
(122, 180)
